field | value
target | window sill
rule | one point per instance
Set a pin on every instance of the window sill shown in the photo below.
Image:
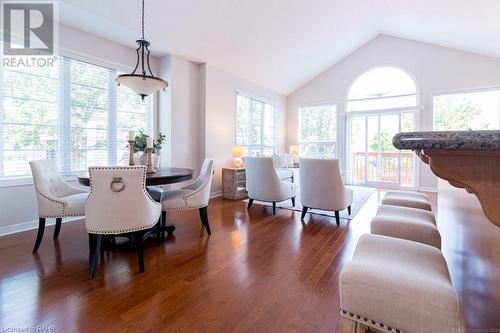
(28, 181)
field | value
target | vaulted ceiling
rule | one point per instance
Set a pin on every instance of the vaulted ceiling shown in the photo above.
(282, 44)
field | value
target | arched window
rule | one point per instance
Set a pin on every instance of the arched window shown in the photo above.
(380, 103)
(382, 88)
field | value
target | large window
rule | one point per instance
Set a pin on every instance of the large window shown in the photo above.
(381, 103)
(478, 110)
(318, 131)
(72, 112)
(255, 126)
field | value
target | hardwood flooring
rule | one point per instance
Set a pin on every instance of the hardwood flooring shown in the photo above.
(256, 272)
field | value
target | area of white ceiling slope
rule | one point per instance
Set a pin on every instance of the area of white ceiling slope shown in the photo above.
(281, 44)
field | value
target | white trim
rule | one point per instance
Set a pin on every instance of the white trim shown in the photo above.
(25, 226)
(464, 90)
(428, 189)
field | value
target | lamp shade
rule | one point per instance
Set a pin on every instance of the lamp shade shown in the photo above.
(294, 150)
(143, 85)
(237, 151)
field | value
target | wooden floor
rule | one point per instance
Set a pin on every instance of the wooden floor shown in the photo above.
(257, 272)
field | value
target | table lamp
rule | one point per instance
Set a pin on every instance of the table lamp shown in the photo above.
(237, 153)
(294, 151)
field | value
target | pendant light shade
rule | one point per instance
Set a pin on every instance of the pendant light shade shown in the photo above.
(143, 83)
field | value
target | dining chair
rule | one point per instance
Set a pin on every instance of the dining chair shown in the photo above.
(56, 198)
(195, 195)
(119, 204)
(264, 184)
(322, 187)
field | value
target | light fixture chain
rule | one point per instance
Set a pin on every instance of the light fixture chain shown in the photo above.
(142, 19)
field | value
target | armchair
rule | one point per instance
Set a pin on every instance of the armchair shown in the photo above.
(322, 187)
(264, 184)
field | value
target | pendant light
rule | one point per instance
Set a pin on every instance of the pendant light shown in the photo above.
(143, 83)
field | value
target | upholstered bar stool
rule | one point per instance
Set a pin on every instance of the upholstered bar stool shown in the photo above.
(407, 199)
(396, 285)
(413, 224)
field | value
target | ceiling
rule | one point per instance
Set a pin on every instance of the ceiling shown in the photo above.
(282, 44)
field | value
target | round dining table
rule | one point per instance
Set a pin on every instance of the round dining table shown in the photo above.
(162, 176)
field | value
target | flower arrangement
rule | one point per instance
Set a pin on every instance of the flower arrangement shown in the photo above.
(141, 142)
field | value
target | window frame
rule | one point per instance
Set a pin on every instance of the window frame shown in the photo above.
(346, 116)
(337, 129)
(264, 101)
(457, 92)
(64, 115)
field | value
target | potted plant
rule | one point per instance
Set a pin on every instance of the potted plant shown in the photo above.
(140, 148)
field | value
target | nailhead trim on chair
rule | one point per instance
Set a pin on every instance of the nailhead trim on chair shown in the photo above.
(114, 232)
(187, 197)
(62, 203)
(369, 322)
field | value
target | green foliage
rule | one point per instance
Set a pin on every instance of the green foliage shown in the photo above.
(141, 142)
(385, 142)
(454, 113)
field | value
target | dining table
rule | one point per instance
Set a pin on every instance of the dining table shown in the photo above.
(163, 176)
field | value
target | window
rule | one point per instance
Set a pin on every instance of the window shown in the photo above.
(72, 112)
(381, 103)
(479, 110)
(255, 126)
(318, 131)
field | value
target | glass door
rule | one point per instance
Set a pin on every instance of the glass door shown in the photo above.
(372, 157)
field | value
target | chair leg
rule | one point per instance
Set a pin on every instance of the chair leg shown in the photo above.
(204, 218)
(163, 224)
(140, 249)
(39, 236)
(58, 227)
(349, 209)
(96, 255)
(274, 208)
(293, 202)
(337, 217)
(304, 212)
(250, 202)
(158, 231)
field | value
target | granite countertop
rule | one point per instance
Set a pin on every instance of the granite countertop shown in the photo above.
(463, 140)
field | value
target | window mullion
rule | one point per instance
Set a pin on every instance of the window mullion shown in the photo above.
(64, 119)
(112, 135)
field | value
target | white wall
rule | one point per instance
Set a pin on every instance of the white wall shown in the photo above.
(435, 68)
(220, 106)
(18, 206)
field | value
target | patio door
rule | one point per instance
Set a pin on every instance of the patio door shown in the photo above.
(372, 158)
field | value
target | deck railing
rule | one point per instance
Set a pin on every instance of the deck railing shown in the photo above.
(387, 170)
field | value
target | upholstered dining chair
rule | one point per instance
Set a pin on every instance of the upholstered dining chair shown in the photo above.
(195, 195)
(264, 184)
(322, 187)
(56, 198)
(119, 204)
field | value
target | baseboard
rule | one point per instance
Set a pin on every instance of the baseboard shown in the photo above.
(25, 226)
(215, 194)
